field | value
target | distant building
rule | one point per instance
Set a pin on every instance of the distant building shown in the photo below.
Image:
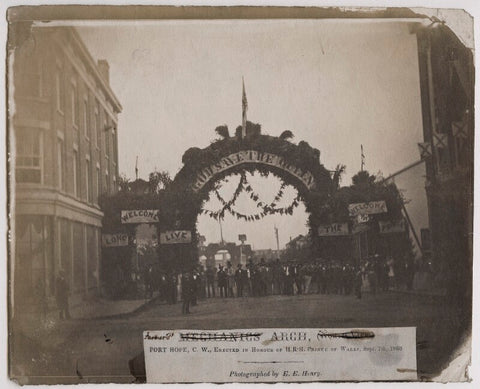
(297, 249)
(220, 253)
(298, 243)
(64, 136)
(139, 187)
(267, 254)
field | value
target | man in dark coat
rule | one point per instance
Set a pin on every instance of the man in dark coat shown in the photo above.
(239, 280)
(171, 287)
(188, 286)
(210, 274)
(222, 281)
(61, 295)
(358, 282)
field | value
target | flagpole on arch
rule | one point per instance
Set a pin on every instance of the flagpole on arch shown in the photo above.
(244, 110)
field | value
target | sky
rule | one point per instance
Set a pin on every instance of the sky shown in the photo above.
(335, 84)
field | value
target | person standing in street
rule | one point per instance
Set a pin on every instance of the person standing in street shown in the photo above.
(61, 295)
(148, 281)
(222, 281)
(187, 292)
(277, 277)
(210, 274)
(358, 282)
(239, 280)
(171, 287)
(194, 286)
(230, 279)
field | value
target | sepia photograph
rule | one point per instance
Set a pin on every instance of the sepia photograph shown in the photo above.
(239, 194)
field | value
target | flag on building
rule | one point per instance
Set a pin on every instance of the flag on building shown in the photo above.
(425, 149)
(460, 129)
(244, 110)
(440, 141)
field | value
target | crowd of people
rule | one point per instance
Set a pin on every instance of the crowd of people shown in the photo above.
(281, 278)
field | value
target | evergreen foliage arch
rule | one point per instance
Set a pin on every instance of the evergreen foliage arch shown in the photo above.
(182, 204)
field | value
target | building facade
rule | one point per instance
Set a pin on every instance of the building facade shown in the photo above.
(447, 91)
(63, 156)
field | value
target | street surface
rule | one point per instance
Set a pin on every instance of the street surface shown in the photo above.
(98, 350)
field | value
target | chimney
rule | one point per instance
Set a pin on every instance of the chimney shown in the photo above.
(104, 70)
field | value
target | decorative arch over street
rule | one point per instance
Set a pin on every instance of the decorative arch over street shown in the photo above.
(297, 165)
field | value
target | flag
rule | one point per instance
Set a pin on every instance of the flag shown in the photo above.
(460, 130)
(363, 157)
(425, 149)
(440, 140)
(244, 110)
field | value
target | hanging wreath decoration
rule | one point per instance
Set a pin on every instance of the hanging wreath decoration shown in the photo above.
(255, 197)
(218, 215)
(228, 204)
(267, 209)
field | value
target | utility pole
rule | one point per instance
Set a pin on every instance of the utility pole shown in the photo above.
(412, 165)
(221, 231)
(412, 228)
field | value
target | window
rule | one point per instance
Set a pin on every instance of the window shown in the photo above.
(96, 126)
(106, 132)
(88, 185)
(60, 164)
(92, 256)
(76, 175)
(28, 168)
(66, 249)
(114, 141)
(59, 89)
(29, 81)
(461, 137)
(99, 184)
(85, 119)
(34, 256)
(79, 257)
(107, 183)
(443, 160)
(462, 151)
(74, 104)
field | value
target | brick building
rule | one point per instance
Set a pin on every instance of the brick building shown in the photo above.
(63, 142)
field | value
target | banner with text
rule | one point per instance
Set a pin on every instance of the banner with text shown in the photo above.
(140, 216)
(370, 208)
(334, 229)
(173, 237)
(392, 227)
(251, 156)
(363, 218)
(280, 355)
(114, 240)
